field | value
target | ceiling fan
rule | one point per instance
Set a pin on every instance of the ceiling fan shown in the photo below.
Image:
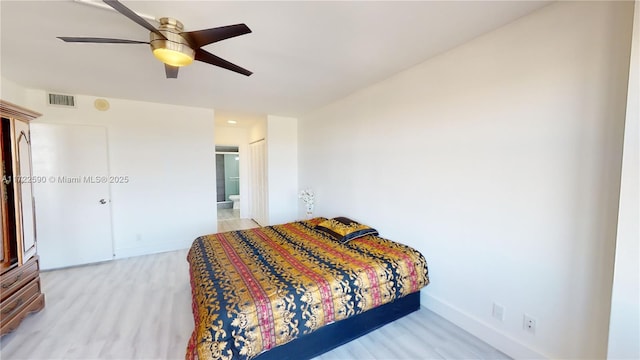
(171, 45)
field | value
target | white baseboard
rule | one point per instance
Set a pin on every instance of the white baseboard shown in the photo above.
(148, 250)
(480, 329)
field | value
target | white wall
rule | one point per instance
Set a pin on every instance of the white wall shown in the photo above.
(281, 135)
(168, 153)
(238, 136)
(282, 160)
(499, 160)
(12, 92)
(624, 328)
(258, 131)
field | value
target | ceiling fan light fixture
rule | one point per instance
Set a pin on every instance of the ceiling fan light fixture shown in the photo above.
(174, 50)
(173, 57)
(169, 43)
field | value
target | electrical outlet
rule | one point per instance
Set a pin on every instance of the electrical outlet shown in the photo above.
(529, 323)
(498, 311)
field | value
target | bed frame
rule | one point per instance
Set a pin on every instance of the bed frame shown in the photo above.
(338, 333)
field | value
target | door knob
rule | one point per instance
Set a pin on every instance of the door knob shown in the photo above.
(103, 201)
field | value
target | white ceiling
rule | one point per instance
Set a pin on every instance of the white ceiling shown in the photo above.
(303, 54)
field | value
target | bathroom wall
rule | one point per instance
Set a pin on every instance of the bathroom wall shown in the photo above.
(220, 189)
(231, 175)
(227, 176)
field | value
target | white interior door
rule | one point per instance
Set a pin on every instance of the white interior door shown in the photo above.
(73, 207)
(258, 185)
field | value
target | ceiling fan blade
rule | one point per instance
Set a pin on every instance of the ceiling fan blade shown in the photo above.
(171, 71)
(99, 40)
(207, 36)
(133, 16)
(209, 58)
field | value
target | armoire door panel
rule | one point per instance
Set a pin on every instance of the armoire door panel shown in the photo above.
(20, 293)
(25, 190)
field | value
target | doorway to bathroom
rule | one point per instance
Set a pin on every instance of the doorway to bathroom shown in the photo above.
(228, 182)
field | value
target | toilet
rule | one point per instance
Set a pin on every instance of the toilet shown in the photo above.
(236, 201)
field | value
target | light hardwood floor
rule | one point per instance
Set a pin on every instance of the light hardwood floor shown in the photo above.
(229, 220)
(140, 308)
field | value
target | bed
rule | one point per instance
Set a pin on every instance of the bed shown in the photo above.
(296, 290)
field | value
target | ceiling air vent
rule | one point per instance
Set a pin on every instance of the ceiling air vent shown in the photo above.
(62, 100)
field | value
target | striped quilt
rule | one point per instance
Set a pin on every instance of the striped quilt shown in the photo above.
(256, 289)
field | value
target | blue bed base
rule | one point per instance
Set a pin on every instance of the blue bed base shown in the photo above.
(333, 335)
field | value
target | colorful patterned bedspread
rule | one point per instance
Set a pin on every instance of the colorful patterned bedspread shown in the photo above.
(256, 289)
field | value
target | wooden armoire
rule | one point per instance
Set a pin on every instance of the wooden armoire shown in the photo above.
(20, 291)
